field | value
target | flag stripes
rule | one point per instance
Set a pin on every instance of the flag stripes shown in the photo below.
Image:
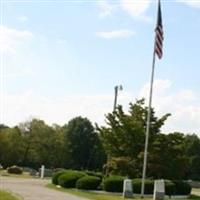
(159, 34)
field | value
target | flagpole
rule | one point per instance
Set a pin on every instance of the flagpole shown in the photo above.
(157, 51)
(148, 125)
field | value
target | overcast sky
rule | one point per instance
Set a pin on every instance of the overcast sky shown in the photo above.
(61, 59)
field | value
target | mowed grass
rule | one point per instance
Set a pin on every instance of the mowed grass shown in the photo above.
(7, 196)
(24, 175)
(95, 196)
(196, 192)
(89, 195)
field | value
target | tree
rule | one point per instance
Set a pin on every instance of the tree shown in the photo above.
(42, 144)
(167, 157)
(194, 172)
(10, 146)
(81, 143)
(47, 144)
(192, 145)
(124, 134)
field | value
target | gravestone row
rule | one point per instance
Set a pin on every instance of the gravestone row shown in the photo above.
(159, 189)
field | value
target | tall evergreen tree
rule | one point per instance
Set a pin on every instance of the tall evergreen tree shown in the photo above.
(81, 144)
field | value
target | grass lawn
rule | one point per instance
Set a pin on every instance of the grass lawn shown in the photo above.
(196, 191)
(24, 175)
(7, 196)
(88, 195)
(93, 196)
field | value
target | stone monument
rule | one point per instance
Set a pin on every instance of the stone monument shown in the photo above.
(159, 190)
(127, 188)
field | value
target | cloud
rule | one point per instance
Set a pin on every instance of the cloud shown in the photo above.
(61, 41)
(192, 3)
(20, 107)
(106, 9)
(136, 8)
(116, 34)
(19, 72)
(22, 18)
(16, 107)
(160, 86)
(183, 105)
(11, 38)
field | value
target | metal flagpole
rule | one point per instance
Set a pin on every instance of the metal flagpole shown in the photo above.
(157, 51)
(148, 125)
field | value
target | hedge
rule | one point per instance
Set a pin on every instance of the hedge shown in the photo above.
(182, 187)
(113, 184)
(170, 188)
(88, 183)
(56, 176)
(15, 170)
(69, 178)
(149, 186)
(97, 174)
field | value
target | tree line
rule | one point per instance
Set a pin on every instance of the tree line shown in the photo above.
(34, 143)
(117, 147)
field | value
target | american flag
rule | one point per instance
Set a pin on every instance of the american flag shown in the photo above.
(159, 34)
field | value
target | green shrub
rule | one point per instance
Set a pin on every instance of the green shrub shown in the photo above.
(113, 184)
(88, 183)
(56, 176)
(170, 188)
(69, 178)
(58, 169)
(149, 186)
(97, 174)
(15, 170)
(182, 188)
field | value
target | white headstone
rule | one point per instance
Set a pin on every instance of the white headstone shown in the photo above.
(159, 190)
(42, 171)
(127, 188)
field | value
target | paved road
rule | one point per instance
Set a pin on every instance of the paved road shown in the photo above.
(33, 189)
(196, 192)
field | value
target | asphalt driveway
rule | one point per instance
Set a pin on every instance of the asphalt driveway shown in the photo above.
(33, 189)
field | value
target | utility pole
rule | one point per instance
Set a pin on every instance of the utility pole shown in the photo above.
(117, 88)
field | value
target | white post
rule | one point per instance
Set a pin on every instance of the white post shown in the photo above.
(42, 172)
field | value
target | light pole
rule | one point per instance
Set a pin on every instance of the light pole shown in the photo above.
(116, 89)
